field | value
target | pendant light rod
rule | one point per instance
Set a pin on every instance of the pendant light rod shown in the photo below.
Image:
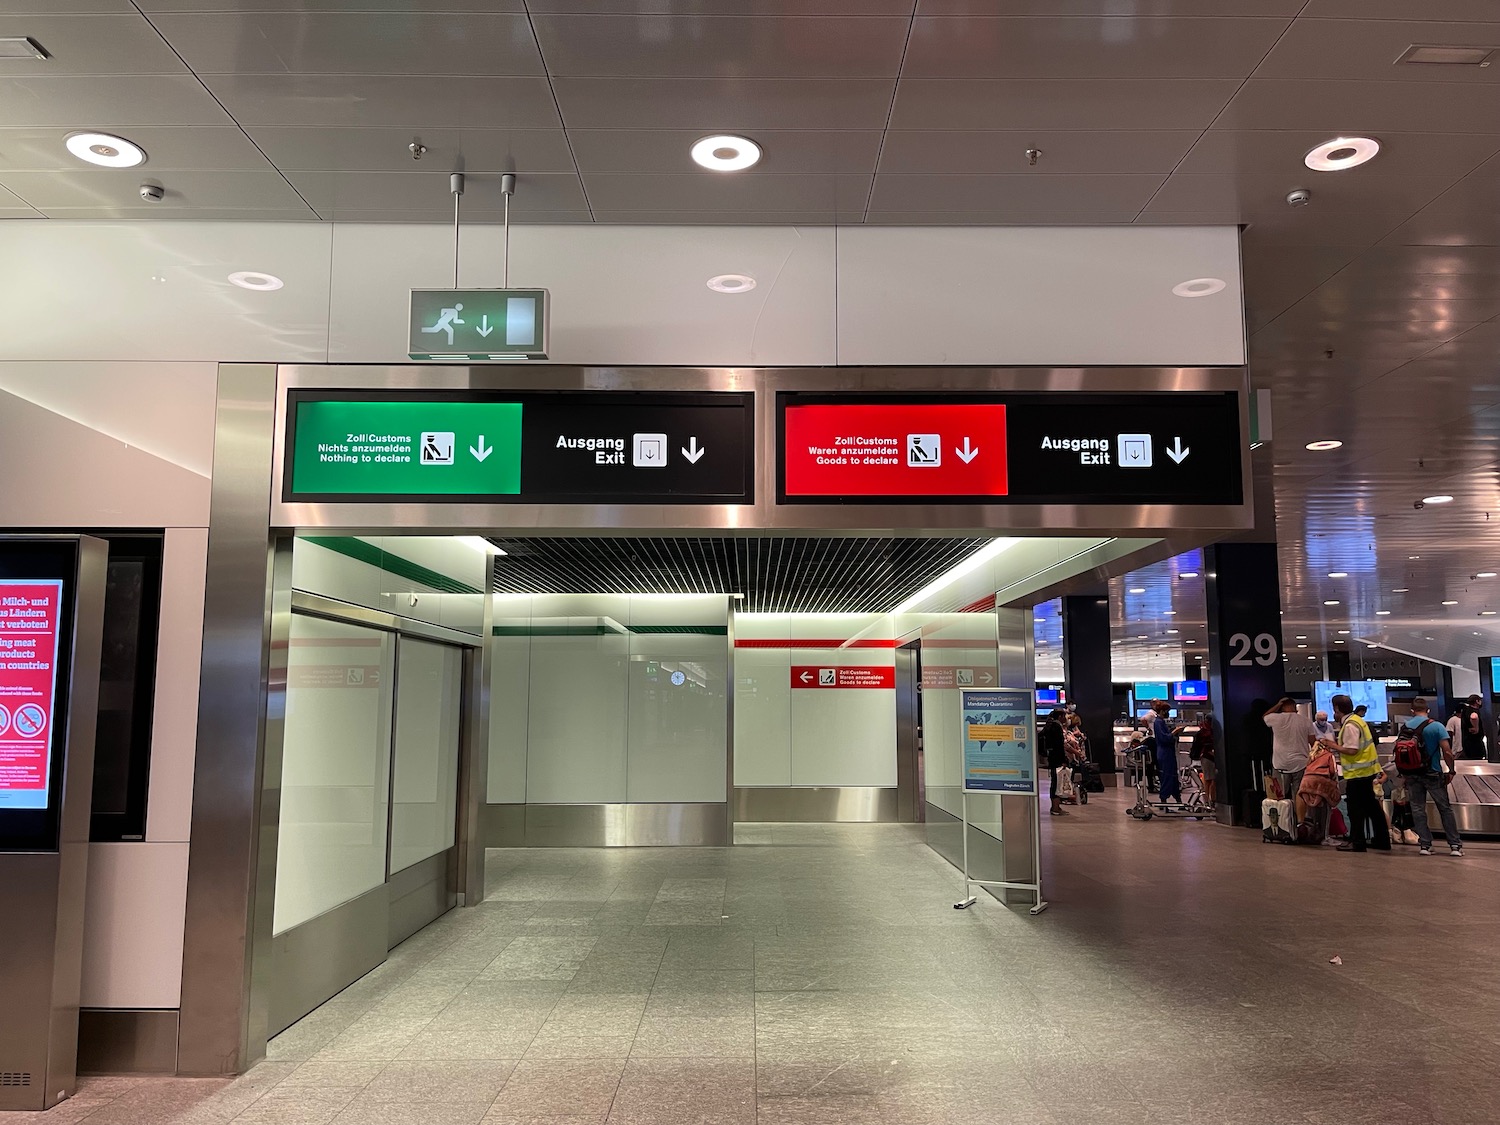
(456, 186)
(507, 189)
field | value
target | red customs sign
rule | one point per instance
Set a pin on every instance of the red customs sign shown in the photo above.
(894, 449)
(811, 676)
(30, 615)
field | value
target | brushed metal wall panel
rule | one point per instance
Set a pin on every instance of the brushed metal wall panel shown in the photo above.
(504, 826)
(421, 893)
(127, 1041)
(845, 804)
(627, 826)
(314, 961)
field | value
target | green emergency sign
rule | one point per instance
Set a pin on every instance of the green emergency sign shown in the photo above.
(428, 447)
(478, 324)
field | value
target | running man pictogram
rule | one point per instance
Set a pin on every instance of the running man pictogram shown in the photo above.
(445, 322)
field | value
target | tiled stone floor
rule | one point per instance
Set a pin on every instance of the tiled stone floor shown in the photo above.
(818, 974)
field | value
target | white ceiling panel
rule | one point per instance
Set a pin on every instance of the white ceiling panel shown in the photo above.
(381, 191)
(125, 100)
(302, 148)
(1045, 103)
(1039, 192)
(244, 190)
(1344, 107)
(1366, 48)
(724, 105)
(353, 42)
(707, 191)
(90, 44)
(168, 148)
(1088, 47)
(721, 46)
(390, 101)
(1059, 151)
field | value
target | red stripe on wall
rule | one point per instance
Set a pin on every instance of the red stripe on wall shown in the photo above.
(787, 642)
(981, 606)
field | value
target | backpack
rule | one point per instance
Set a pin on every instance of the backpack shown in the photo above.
(1411, 749)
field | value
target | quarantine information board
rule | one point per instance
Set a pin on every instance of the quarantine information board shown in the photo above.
(999, 732)
(30, 619)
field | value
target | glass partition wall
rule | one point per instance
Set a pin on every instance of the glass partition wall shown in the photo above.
(370, 765)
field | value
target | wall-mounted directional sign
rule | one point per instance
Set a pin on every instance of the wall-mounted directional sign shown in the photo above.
(1170, 447)
(478, 324)
(520, 447)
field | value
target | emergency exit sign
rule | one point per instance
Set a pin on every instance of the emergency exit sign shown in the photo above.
(478, 324)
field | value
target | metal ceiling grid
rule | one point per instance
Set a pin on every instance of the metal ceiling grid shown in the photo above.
(834, 574)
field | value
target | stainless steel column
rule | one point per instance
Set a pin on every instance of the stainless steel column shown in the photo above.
(474, 766)
(226, 946)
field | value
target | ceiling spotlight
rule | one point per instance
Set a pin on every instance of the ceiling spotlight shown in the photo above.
(732, 283)
(1338, 574)
(1486, 613)
(1301, 637)
(1442, 499)
(1142, 637)
(1170, 631)
(1301, 646)
(105, 150)
(1188, 574)
(1199, 287)
(1341, 153)
(1169, 612)
(1382, 613)
(1337, 641)
(260, 282)
(1324, 445)
(1402, 590)
(1331, 603)
(1343, 632)
(1485, 574)
(1189, 642)
(1136, 590)
(1450, 603)
(725, 153)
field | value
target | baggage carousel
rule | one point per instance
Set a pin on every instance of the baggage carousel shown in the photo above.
(1475, 793)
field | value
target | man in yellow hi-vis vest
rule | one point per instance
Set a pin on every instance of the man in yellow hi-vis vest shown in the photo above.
(1361, 766)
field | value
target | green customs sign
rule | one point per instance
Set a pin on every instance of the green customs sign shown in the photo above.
(428, 448)
(478, 324)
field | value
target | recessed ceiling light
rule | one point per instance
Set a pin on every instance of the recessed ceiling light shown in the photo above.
(732, 283)
(724, 153)
(1189, 642)
(1170, 631)
(1325, 445)
(1331, 603)
(1341, 153)
(1450, 603)
(1136, 590)
(1142, 637)
(1439, 499)
(1301, 646)
(105, 150)
(1402, 590)
(1301, 636)
(21, 47)
(1372, 646)
(1382, 613)
(1188, 574)
(1338, 574)
(1343, 632)
(1485, 574)
(1169, 612)
(1486, 613)
(1200, 287)
(1337, 641)
(252, 279)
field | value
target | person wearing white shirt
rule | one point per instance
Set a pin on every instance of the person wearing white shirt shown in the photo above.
(1292, 737)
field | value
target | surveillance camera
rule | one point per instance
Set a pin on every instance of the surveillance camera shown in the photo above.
(1418, 505)
(1298, 197)
(153, 193)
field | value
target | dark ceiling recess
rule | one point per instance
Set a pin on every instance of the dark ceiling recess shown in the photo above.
(790, 575)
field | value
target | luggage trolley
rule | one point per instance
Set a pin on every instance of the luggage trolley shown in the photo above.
(1193, 805)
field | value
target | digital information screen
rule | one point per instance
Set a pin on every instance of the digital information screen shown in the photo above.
(520, 447)
(1370, 693)
(30, 621)
(1190, 691)
(1147, 693)
(36, 631)
(1161, 447)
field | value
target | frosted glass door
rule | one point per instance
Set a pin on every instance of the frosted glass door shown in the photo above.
(335, 772)
(424, 789)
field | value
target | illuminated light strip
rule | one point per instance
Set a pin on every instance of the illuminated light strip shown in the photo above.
(991, 550)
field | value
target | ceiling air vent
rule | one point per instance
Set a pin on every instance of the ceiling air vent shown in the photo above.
(1423, 54)
(21, 47)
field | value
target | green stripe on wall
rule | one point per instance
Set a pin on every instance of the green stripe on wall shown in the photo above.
(350, 547)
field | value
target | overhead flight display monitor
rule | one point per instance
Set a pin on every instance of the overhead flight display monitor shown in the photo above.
(1162, 447)
(550, 447)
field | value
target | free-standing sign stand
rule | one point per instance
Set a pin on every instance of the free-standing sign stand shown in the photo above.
(999, 733)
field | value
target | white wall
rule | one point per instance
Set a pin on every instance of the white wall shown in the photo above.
(583, 709)
(329, 566)
(785, 736)
(126, 445)
(1018, 295)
